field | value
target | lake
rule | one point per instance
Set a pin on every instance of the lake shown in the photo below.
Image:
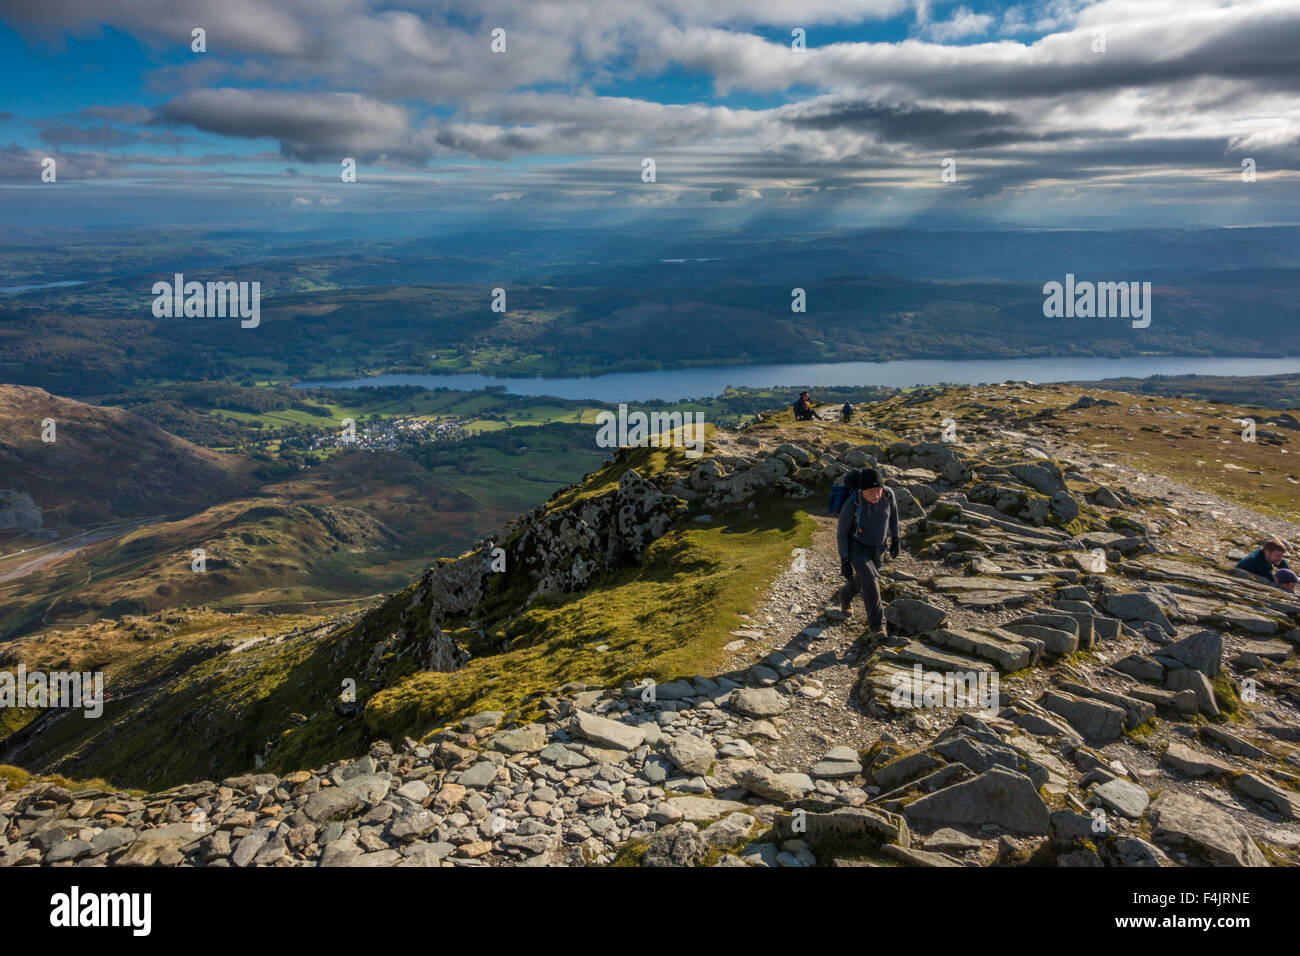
(677, 384)
(15, 289)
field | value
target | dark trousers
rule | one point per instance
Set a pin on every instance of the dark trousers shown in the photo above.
(866, 581)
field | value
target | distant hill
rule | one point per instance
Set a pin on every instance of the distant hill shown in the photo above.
(105, 464)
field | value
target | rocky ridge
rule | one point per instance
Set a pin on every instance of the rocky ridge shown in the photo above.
(1144, 709)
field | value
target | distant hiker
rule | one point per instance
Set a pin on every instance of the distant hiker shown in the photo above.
(1265, 560)
(868, 519)
(846, 413)
(803, 410)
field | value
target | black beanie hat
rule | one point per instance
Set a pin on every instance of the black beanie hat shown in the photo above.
(871, 478)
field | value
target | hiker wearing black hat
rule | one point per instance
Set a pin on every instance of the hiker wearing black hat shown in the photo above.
(803, 410)
(868, 524)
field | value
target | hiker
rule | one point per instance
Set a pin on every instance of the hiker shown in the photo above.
(846, 413)
(1265, 560)
(803, 410)
(1286, 579)
(868, 519)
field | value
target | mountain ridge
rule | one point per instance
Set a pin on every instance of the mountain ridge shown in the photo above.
(1102, 668)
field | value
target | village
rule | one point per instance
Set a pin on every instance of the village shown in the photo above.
(388, 434)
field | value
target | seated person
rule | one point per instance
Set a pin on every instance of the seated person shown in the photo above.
(1265, 560)
(803, 410)
(1286, 579)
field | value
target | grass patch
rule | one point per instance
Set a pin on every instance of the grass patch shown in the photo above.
(667, 618)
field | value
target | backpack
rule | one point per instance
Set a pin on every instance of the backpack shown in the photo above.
(841, 493)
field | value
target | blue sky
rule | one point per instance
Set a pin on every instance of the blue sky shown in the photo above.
(1045, 127)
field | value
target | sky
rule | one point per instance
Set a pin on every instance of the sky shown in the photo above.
(1066, 113)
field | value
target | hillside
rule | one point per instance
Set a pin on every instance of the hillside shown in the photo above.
(660, 674)
(103, 465)
(104, 521)
(94, 340)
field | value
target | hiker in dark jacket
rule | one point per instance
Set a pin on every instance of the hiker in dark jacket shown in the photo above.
(846, 413)
(1265, 560)
(803, 410)
(868, 519)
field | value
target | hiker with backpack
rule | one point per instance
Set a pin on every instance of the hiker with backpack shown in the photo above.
(868, 524)
(846, 413)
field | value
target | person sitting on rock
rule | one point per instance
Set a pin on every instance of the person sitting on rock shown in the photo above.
(803, 410)
(1265, 560)
(868, 519)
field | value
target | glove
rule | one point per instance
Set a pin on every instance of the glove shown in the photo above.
(846, 569)
(893, 548)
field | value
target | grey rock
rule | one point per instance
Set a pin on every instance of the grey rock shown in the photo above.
(692, 754)
(948, 840)
(1136, 606)
(478, 776)
(527, 739)
(412, 825)
(606, 732)
(675, 846)
(838, 762)
(248, 847)
(1202, 651)
(1193, 825)
(332, 803)
(1194, 764)
(758, 702)
(73, 849)
(998, 796)
(1197, 683)
(1284, 802)
(1097, 722)
(1123, 797)
(914, 617)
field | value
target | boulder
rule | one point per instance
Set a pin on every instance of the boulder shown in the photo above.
(1136, 606)
(1201, 829)
(1044, 477)
(161, 845)
(914, 617)
(1202, 651)
(1122, 797)
(692, 755)
(999, 796)
(1199, 684)
(758, 702)
(605, 732)
(1096, 721)
(332, 803)
(770, 785)
(838, 762)
(527, 739)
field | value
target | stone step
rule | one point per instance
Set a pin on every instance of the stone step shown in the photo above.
(1009, 652)
(1056, 642)
(1096, 721)
(1182, 701)
(927, 656)
(1139, 711)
